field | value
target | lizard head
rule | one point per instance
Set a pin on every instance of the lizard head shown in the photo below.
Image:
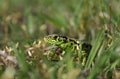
(55, 39)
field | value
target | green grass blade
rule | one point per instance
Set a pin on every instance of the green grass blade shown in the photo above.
(95, 48)
(56, 22)
(69, 59)
(21, 59)
(102, 62)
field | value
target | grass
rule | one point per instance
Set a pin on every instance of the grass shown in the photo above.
(23, 25)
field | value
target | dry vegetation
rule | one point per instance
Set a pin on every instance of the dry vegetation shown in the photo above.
(24, 23)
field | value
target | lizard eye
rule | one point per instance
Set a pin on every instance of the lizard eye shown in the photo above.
(55, 37)
(71, 43)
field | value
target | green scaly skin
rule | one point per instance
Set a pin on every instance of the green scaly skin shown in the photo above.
(62, 43)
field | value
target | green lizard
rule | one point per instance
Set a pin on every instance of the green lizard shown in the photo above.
(61, 43)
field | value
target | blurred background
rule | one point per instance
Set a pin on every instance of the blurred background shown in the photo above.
(23, 20)
(24, 23)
